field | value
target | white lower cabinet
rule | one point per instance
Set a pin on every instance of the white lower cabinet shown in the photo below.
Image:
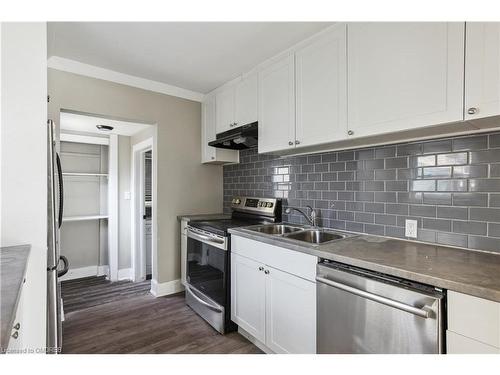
(473, 324)
(274, 306)
(290, 313)
(458, 344)
(16, 341)
(248, 296)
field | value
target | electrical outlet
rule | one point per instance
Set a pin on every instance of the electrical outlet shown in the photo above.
(126, 195)
(411, 228)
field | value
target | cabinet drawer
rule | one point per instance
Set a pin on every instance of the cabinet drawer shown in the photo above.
(474, 317)
(458, 344)
(299, 264)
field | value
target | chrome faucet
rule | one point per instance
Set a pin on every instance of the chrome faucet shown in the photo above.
(312, 218)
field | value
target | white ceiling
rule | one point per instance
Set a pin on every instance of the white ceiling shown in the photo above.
(198, 56)
(76, 122)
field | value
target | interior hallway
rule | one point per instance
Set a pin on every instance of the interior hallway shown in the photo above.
(122, 317)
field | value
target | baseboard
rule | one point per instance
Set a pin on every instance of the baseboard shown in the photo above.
(78, 273)
(103, 271)
(254, 341)
(125, 274)
(164, 289)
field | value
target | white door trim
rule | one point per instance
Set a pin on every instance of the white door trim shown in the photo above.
(138, 248)
(113, 207)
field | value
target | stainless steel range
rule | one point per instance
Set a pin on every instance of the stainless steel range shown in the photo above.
(208, 258)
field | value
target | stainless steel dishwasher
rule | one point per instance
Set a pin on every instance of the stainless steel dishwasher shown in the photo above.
(361, 311)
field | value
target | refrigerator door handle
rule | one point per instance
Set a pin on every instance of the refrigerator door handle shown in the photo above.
(61, 191)
(64, 271)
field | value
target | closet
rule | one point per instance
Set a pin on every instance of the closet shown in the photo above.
(84, 233)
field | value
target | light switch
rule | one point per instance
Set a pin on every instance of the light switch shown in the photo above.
(126, 195)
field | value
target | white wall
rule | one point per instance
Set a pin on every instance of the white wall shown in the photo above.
(23, 160)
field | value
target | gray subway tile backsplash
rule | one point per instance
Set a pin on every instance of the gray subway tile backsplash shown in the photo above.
(486, 184)
(477, 142)
(470, 227)
(450, 186)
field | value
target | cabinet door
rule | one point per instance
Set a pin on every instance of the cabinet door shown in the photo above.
(208, 153)
(458, 344)
(482, 69)
(321, 89)
(246, 101)
(224, 104)
(290, 313)
(248, 296)
(404, 75)
(16, 342)
(277, 106)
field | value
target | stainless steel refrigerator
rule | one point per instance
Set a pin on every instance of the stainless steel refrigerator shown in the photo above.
(55, 207)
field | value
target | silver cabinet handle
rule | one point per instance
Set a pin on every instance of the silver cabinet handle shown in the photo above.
(17, 326)
(266, 272)
(261, 268)
(215, 308)
(472, 111)
(350, 132)
(297, 142)
(424, 312)
(290, 143)
(15, 335)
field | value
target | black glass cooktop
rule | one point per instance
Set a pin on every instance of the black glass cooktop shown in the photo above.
(220, 227)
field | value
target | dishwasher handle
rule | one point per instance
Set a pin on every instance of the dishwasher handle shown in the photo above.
(424, 312)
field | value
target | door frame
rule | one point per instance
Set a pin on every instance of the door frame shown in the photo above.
(138, 245)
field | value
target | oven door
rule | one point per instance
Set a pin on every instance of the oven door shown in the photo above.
(207, 267)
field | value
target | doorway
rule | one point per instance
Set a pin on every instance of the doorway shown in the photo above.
(97, 168)
(144, 210)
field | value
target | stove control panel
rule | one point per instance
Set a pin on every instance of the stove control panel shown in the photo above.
(265, 206)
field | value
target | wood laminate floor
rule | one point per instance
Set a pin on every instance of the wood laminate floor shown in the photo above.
(123, 317)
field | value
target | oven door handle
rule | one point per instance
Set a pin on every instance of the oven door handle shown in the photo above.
(212, 307)
(203, 238)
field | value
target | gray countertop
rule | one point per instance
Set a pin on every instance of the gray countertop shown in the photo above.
(466, 271)
(13, 262)
(204, 217)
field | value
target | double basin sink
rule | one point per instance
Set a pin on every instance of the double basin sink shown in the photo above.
(315, 236)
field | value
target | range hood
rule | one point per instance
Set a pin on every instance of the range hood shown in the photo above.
(238, 138)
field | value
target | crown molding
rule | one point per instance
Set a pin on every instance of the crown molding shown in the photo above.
(76, 67)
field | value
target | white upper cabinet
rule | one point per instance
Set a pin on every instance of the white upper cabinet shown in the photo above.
(211, 154)
(237, 104)
(246, 101)
(404, 75)
(224, 104)
(482, 69)
(277, 106)
(321, 89)
(208, 129)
